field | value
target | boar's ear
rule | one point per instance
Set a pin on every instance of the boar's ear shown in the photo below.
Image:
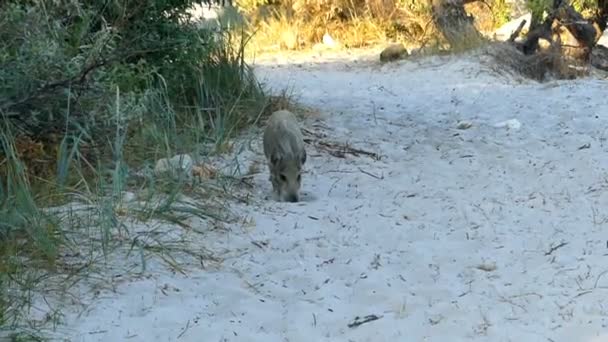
(303, 160)
(275, 159)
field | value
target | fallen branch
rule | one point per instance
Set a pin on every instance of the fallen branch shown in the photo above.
(371, 174)
(339, 150)
(315, 134)
(554, 248)
(362, 320)
(184, 330)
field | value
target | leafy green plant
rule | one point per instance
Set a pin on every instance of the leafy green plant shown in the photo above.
(91, 93)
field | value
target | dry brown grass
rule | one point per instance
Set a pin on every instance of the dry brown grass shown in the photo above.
(351, 24)
(301, 24)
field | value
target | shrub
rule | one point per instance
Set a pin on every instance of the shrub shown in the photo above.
(88, 91)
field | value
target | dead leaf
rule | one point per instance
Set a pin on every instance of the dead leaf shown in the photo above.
(203, 171)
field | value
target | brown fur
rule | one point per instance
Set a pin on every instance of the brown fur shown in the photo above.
(285, 154)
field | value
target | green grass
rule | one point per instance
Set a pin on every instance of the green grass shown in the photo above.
(68, 223)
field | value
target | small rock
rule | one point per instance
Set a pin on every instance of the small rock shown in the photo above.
(435, 319)
(181, 163)
(509, 124)
(489, 267)
(464, 125)
(128, 196)
(393, 52)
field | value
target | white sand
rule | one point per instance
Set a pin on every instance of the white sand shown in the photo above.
(405, 237)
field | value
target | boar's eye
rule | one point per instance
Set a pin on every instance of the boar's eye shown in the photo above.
(283, 178)
(299, 178)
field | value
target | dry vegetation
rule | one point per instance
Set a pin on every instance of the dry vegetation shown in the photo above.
(301, 24)
(350, 24)
(434, 26)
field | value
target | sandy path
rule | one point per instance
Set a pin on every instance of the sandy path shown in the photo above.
(404, 237)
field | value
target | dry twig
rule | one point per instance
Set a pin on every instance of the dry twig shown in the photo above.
(362, 320)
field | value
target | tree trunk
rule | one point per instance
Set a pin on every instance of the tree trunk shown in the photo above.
(456, 26)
